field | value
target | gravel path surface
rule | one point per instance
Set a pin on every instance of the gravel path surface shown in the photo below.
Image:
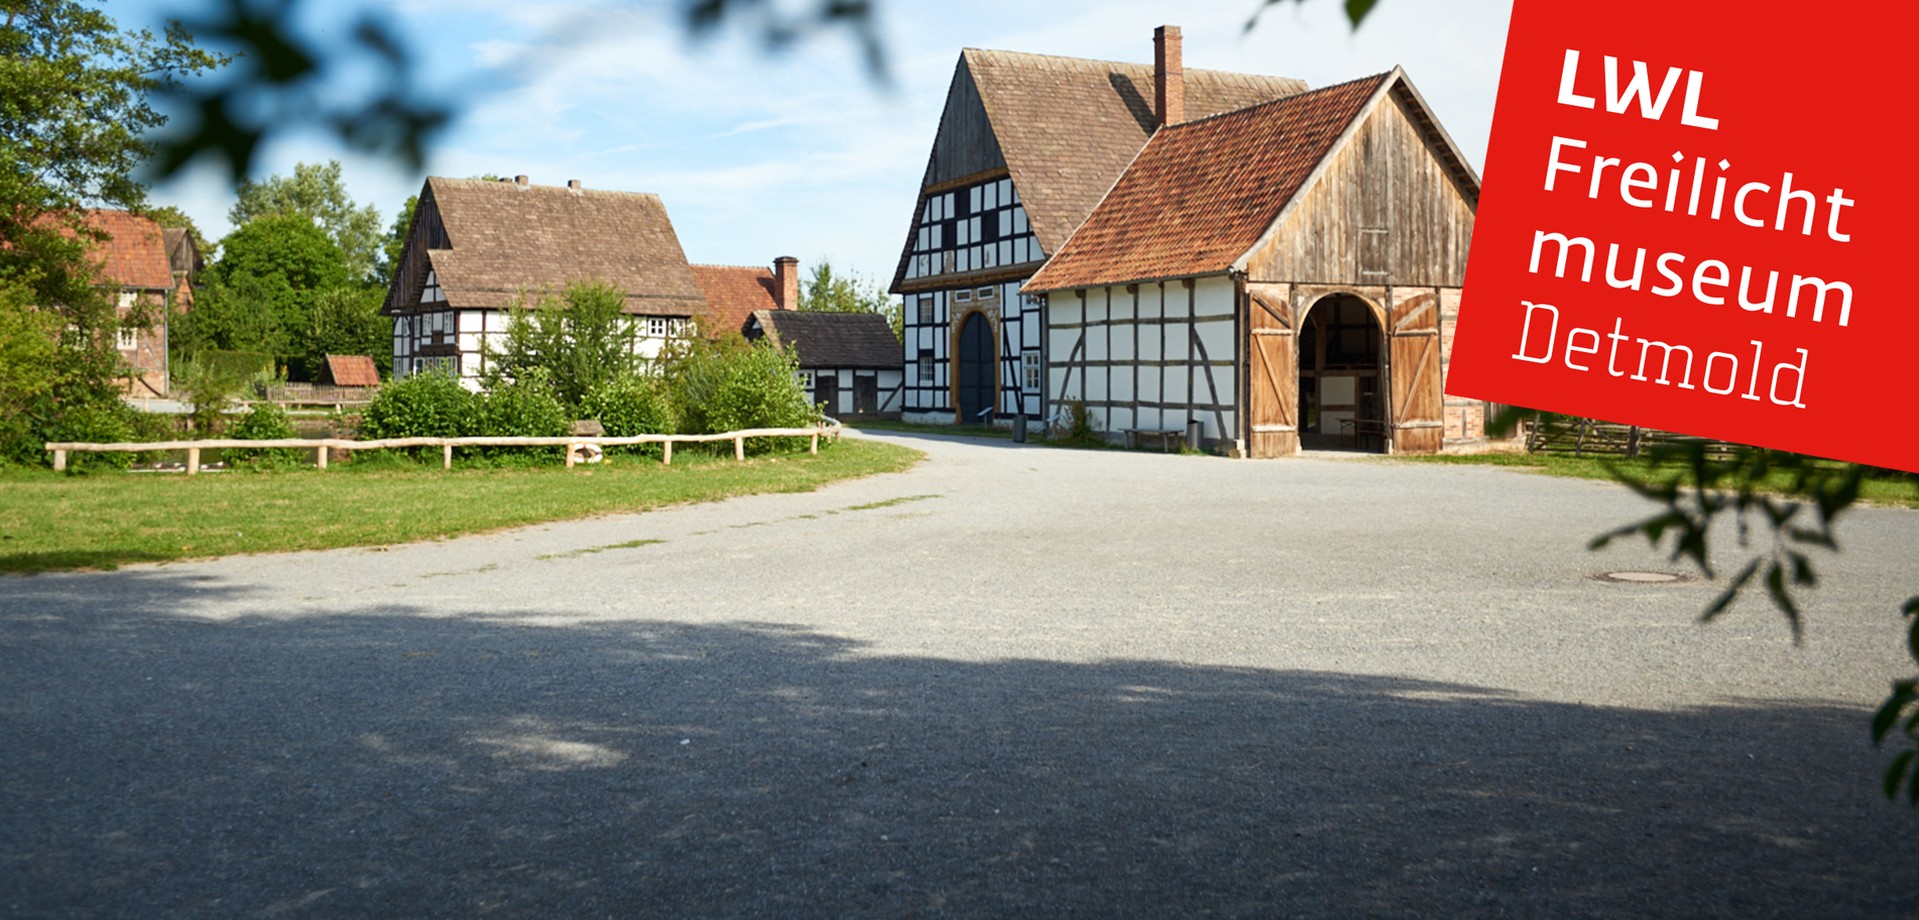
(1011, 682)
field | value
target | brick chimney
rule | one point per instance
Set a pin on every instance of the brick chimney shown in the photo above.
(1169, 82)
(786, 282)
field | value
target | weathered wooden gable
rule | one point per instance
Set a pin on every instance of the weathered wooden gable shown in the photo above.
(426, 232)
(1390, 206)
(965, 145)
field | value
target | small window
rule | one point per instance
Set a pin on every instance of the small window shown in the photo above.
(926, 365)
(963, 296)
(1030, 361)
(129, 338)
(128, 299)
(987, 293)
(656, 326)
(926, 309)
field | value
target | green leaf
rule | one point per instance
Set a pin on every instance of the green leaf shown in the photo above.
(1356, 11)
(1896, 773)
(1726, 597)
(1888, 714)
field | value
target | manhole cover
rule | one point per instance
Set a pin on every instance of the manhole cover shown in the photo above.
(1639, 577)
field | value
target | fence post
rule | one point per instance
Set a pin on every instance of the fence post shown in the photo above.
(59, 461)
(815, 447)
(446, 462)
(571, 448)
(193, 461)
(666, 454)
(319, 456)
(739, 448)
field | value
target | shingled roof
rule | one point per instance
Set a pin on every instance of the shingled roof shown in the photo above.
(1067, 127)
(1202, 193)
(135, 253)
(505, 239)
(734, 292)
(853, 340)
(351, 371)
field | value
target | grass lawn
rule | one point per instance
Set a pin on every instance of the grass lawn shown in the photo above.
(51, 521)
(1890, 489)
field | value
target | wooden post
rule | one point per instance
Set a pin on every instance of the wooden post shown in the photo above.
(447, 459)
(814, 448)
(666, 453)
(571, 449)
(319, 457)
(59, 461)
(193, 461)
(739, 448)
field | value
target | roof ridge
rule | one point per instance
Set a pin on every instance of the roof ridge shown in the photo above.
(1107, 63)
(536, 187)
(1297, 98)
(757, 268)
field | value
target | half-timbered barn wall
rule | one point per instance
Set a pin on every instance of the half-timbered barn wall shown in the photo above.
(849, 391)
(1147, 356)
(934, 321)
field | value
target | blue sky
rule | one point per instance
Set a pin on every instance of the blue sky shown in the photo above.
(800, 153)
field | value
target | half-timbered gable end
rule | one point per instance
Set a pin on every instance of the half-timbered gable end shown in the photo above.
(1026, 146)
(477, 248)
(849, 362)
(1286, 273)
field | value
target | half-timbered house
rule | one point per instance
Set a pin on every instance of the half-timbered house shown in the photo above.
(1285, 274)
(1026, 146)
(477, 248)
(848, 362)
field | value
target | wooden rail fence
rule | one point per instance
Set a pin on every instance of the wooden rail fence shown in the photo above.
(1584, 436)
(572, 443)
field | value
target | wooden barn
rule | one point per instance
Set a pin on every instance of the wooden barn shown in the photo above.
(476, 248)
(1283, 270)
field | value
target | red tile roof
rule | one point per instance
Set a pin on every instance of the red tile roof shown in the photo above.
(352, 371)
(1202, 193)
(135, 255)
(733, 292)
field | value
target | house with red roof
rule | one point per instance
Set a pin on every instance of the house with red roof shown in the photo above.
(1277, 265)
(149, 272)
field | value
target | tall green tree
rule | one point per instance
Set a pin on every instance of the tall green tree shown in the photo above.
(317, 192)
(74, 124)
(827, 292)
(394, 244)
(262, 295)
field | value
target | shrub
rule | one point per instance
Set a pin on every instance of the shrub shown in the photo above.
(98, 421)
(730, 385)
(629, 405)
(426, 405)
(264, 421)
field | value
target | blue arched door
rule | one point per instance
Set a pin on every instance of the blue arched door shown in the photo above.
(975, 368)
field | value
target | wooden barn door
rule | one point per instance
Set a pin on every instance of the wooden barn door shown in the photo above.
(1272, 411)
(826, 389)
(1418, 404)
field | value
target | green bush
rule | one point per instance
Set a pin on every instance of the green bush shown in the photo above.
(265, 421)
(98, 421)
(730, 385)
(630, 405)
(525, 408)
(426, 405)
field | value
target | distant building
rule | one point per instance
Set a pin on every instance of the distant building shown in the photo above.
(149, 272)
(850, 362)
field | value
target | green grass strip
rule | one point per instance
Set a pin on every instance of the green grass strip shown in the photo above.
(50, 521)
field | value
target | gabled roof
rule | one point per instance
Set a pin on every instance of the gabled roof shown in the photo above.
(507, 239)
(734, 292)
(1067, 127)
(135, 253)
(183, 251)
(352, 371)
(1202, 194)
(858, 340)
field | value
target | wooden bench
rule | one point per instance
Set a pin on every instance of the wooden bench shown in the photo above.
(1169, 438)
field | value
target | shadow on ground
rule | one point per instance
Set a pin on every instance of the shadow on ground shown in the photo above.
(377, 762)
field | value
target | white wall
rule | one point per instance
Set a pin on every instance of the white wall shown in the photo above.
(1148, 358)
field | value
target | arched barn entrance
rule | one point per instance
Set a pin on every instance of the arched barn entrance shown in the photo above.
(1342, 376)
(973, 371)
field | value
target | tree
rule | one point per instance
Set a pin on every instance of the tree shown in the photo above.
(579, 340)
(317, 193)
(347, 321)
(74, 116)
(825, 292)
(394, 244)
(262, 295)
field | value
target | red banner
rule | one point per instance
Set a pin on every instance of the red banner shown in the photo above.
(1688, 223)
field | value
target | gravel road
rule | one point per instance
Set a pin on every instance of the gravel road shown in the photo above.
(1013, 681)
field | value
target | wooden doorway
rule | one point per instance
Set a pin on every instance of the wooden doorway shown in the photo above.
(826, 389)
(973, 377)
(866, 395)
(1342, 397)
